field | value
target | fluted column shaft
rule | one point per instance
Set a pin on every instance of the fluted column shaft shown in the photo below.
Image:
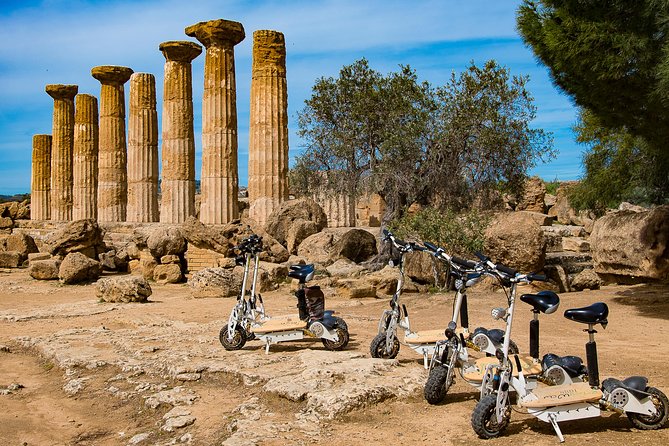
(268, 130)
(112, 161)
(62, 143)
(220, 179)
(178, 150)
(40, 189)
(85, 166)
(142, 150)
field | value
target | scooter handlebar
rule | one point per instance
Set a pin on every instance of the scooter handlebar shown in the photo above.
(464, 262)
(537, 277)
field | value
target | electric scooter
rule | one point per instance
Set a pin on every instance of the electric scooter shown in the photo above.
(646, 407)
(248, 319)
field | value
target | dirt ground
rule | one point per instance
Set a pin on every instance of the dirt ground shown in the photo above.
(40, 403)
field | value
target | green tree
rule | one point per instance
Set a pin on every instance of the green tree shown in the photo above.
(612, 58)
(412, 143)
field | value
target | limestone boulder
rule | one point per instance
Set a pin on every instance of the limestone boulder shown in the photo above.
(562, 210)
(113, 261)
(631, 245)
(44, 269)
(534, 193)
(298, 231)
(215, 238)
(32, 257)
(23, 213)
(9, 209)
(77, 268)
(168, 273)
(21, 243)
(355, 289)
(280, 221)
(123, 289)
(586, 279)
(77, 236)
(356, 245)
(166, 240)
(316, 248)
(516, 240)
(215, 282)
(10, 259)
(6, 225)
(344, 268)
(423, 268)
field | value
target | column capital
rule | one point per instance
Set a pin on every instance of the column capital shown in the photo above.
(269, 51)
(60, 91)
(217, 32)
(180, 50)
(110, 74)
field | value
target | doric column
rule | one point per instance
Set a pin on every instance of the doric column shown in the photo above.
(61, 150)
(178, 154)
(268, 130)
(40, 189)
(112, 173)
(85, 190)
(219, 182)
(142, 150)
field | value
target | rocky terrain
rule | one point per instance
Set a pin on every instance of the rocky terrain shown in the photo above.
(77, 371)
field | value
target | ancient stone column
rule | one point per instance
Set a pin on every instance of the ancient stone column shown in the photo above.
(40, 189)
(219, 182)
(85, 190)
(112, 173)
(61, 150)
(142, 150)
(268, 131)
(178, 154)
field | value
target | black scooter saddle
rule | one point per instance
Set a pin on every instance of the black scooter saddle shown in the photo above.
(593, 314)
(496, 335)
(636, 385)
(573, 365)
(301, 272)
(544, 301)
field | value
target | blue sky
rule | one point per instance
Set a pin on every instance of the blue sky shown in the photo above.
(59, 41)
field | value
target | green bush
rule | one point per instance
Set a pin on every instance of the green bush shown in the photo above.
(459, 234)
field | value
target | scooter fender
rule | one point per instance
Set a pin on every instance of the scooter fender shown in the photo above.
(485, 344)
(320, 330)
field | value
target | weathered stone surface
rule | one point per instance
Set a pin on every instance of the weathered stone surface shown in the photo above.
(75, 236)
(516, 240)
(557, 274)
(178, 150)
(344, 268)
(219, 179)
(562, 208)
(577, 244)
(215, 238)
(6, 224)
(423, 268)
(355, 288)
(78, 268)
(35, 256)
(170, 258)
(298, 231)
(170, 273)
(268, 129)
(316, 248)
(553, 240)
(44, 269)
(215, 282)
(112, 261)
(123, 289)
(40, 190)
(85, 165)
(357, 245)
(166, 240)
(10, 259)
(534, 192)
(306, 209)
(21, 243)
(632, 244)
(586, 279)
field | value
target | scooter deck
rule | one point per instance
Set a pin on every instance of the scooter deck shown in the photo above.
(280, 323)
(425, 337)
(526, 361)
(562, 395)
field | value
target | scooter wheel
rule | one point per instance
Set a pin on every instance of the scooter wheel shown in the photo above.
(238, 339)
(437, 385)
(484, 420)
(652, 422)
(342, 334)
(341, 323)
(377, 348)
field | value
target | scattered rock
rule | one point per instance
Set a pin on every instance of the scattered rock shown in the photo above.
(357, 245)
(21, 243)
(123, 289)
(177, 418)
(78, 268)
(297, 232)
(534, 193)
(586, 279)
(215, 282)
(170, 273)
(173, 397)
(280, 221)
(344, 268)
(577, 244)
(38, 256)
(170, 258)
(355, 288)
(10, 259)
(44, 269)
(76, 236)
(166, 240)
(516, 240)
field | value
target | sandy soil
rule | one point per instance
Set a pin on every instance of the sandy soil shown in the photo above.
(40, 403)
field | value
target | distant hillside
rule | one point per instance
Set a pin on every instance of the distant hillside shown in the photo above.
(15, 197)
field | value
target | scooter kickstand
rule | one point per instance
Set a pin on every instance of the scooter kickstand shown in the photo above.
(425, 364)
(558, 432)
(267, 344)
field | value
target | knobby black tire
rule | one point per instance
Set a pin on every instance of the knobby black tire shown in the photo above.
(237, 341)
(484, 421)
(436, 386)
(648, 422)
(342, 334)
(377, 348)
(340, 322)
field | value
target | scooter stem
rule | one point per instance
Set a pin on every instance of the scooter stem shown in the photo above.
(534, 336)
(591, 357)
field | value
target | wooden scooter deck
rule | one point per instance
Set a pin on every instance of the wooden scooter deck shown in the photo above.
(527, 362)
(280, 323)
(425, 337)
(562, 395)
